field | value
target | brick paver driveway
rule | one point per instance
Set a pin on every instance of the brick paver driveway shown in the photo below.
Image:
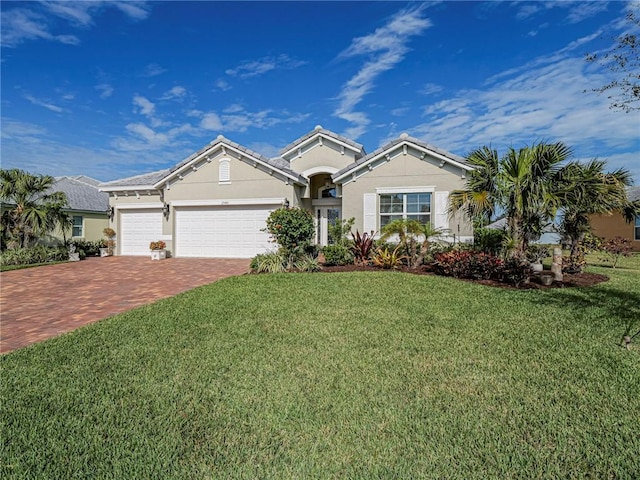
(42, 302)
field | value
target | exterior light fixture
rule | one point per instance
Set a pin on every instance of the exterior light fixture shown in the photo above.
(166, 209)
(285, 204)
(110, 211)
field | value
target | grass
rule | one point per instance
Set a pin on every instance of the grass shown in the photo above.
(354, 375)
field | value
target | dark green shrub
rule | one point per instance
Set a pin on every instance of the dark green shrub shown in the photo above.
(339, 230)
(90, 248)
(33, 255)
(292, 229)
(537, 253)
(515, 271)
(337, 255)
(489, 240)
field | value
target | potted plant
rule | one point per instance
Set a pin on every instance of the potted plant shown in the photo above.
(535, 255)
(158, 251)
(108, 247)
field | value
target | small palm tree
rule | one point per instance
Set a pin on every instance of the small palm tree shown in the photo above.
(33, 206)
(413, 238)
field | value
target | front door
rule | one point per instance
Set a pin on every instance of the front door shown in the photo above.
(325, 216)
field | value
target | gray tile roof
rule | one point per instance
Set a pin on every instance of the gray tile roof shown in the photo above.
(81, 195)
(393, 143)
(146, 179)
(325, 132)
(633, 193)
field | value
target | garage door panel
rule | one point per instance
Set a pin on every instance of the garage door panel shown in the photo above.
(222, 232)
(138, 228)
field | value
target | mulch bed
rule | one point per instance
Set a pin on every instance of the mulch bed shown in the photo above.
(570, 279)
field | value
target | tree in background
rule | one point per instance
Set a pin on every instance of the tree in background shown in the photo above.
(32, 208)
(584, 189)
(623, 60)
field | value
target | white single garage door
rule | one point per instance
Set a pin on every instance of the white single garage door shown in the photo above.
(138, 228)
(222, 232)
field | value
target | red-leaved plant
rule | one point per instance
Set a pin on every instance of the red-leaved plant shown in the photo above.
(362, 246)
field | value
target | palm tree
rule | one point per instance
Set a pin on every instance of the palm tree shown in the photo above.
(413, 238)
(481, 197)
(520, 183)
(32, 205)
(586, 189)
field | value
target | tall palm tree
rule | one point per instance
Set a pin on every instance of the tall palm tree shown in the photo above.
(586, 189)
(518, 183)
(30, 199)
(480, 198)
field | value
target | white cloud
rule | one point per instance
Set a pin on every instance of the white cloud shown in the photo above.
(222, 85)
(175, 93)
(19, 25)
(430, 89)
(150, 136)
(36, 21)
(255, 68)
(153, 70)
(211, 121)
(143, 105)
(235, 118)
(105, 90)
(385, 48)
(544, 100)
(586, 10)
(44, 103)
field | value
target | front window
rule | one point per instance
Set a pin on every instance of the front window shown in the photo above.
(637, 237)
(410, 206)
(77, 226)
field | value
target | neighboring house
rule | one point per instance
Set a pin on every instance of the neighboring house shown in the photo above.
(610, 226)
(549, 236)
(87, 207)
(215, 202)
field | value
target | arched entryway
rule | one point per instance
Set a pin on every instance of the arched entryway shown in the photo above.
(326, 206)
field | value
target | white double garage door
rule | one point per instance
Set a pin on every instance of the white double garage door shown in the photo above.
(214, 232)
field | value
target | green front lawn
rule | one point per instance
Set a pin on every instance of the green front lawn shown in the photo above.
(354, 375)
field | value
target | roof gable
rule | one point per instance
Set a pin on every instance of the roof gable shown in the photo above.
(401, 145)
(276, 167)
(317, 137)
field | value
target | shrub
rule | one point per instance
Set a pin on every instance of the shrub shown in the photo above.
(616, 248)
(338, 231)
(33, 255)
(468, 264)
(362, 246)
(388, 259)
(537, 253)
(515, 271)
(337, 255)
(89, 248)
(292, 229)
(272, 262)
(307, 263)
(489, 240)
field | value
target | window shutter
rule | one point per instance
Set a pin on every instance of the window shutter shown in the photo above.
(441, 219)
(370, 212)
(224, 171)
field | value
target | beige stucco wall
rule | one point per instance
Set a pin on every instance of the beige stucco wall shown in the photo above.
(246, 182)
(404, 171)
(92, 225)
(327, 155)
(610, 226)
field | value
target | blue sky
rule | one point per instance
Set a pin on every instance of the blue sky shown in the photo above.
(113, 89)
